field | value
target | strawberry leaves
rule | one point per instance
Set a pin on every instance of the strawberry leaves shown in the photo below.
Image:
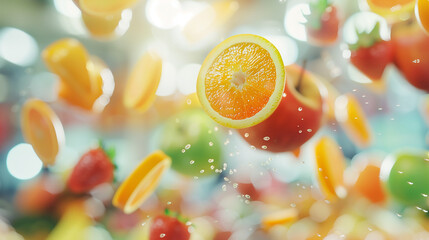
(317, 9)
(367, 39)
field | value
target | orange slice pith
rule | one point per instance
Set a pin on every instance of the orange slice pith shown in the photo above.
(141, 182)
(422, 14)
(241, 81)
(42, 129)
(105, 7)
(353, 120)
(141, 86)
(330, 167)
(280, 217)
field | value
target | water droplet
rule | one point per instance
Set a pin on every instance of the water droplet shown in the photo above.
(284, 95)
(424, 195)
(309, 130)
(225, 165)
(210, 144)
(216, 129)
(300, 131)
(162, 235)
(293, 205)
(187, 146)
(229, 132)
(246, 135)
(400, 172)
(416, 61)
(266, 138)
(411, 183)
(202, 171)
(235, 185)
(226, 179)
(253, 147)
(247, 196)
(211, 160)
(224, 188)
(188, 101)
(168, 203)
(300, 109)
(264, 147)
(212, 167)
(191, 162)
(183, 150)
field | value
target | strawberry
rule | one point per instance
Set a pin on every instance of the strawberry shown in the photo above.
(94, 168)
(322, 23)
(170, 226)
(371, 54)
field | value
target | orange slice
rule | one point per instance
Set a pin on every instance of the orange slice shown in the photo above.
(422, 14)
(42, 129)
(281, 217)
(105, 7)
(101, 26)
(391, 8)
(241, 81)
(330, 166)
(143, 82)
(368, 184)
(141, 182)
(353, 120)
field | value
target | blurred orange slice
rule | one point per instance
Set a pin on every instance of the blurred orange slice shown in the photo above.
(42, 129)
(241, 81)
(141, 182)
(101, 26)
(353, 120)
(141, 86)
(105, 7)
(422, 14)
(368, 184)
(330, 166)
(391, 8)
(280, 217)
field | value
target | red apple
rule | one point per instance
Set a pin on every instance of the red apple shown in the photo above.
(296, 119)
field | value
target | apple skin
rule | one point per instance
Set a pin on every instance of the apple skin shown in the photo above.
(411, 45)
(296, 119)
(406, 177)
(192, 128)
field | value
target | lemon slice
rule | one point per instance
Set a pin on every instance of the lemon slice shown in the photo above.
(280, 217)
(141, 182)
(143, 82)
(42, 129)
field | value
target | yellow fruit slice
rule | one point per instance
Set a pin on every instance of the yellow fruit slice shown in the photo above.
(330, 166)
(241, 81)
(422, 14)
(101, 26)
(105, 7)
(353, 120)
(72, 225)
(42, 129)
(281, 217)
(141, 182)
(391, 8)
(143, 82)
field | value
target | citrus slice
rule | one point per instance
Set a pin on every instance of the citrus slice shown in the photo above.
(391, 8)
(42, 129)
(101, 26)
(141, 182)
(281, 217)
(330, 166)
(73, 224)
(105, 7)
(143, 82)
(422, 14)
(241, 81)
(353, 120)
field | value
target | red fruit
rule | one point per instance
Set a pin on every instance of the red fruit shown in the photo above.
(322, 23)
(371, 54)
(93, 168)
(168, 228)
(412, 53)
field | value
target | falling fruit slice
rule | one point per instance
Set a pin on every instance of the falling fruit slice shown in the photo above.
(143, 82)
(368, 183)
(42, 129)
(105, 7)
(391, 8)
(141, 182)
(241, 81)
(330, 166)
(353, 120)
(281, 217)
(422, 14)
(101, 26)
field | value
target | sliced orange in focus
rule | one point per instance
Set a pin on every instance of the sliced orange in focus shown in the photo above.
(141, 86)
(141, 182)
(330, 166)
(422, 14)
(391, 8)
(241, 81)
(280, 217)
(42, 129)
(105, 7)
(353, 120)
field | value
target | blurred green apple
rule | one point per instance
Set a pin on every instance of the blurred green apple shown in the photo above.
(406, 176)
(192, 142)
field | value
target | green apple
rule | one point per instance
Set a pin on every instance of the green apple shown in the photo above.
(193, 143)
(406, 176)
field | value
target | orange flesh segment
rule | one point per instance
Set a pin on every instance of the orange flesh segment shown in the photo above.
(105, 7)
(42, 129)
(281, 217)
(368, 184)
(240, 81)
(141, 182)
(141, 86)
(330, 167)
(353, 120)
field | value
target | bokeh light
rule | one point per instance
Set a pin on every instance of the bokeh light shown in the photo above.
(187, 78)
(295, 19)
(22, 162)
(18, 47)
(164, 14)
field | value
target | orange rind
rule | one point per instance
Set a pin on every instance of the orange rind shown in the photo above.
(141, 183)
(330, 166)
(422, 14)
(281, 217)
(353, 120)
(141, 86)
(392, 9)
(241, 81)
(42, 129)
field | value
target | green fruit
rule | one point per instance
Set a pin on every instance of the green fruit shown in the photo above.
(192, 142)
(406, 176)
